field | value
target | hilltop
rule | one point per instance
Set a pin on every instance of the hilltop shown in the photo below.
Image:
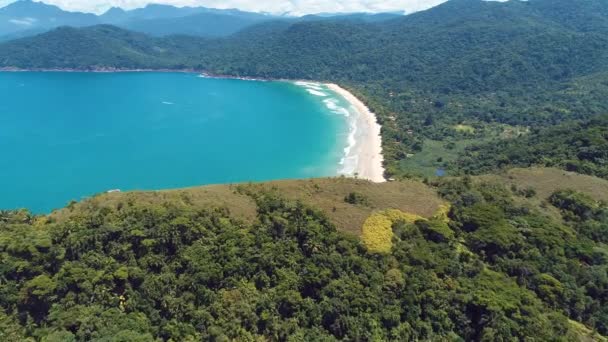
(284, 260)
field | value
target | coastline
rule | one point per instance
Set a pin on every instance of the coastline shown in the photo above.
(367, 147)
(98, 70)
(365, 141)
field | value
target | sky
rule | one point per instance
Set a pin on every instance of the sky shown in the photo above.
(295, 7)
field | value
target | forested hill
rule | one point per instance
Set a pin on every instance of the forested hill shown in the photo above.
(266, 263)
(462, 73)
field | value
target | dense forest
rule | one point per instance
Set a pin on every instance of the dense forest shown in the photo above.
(579, 146)
(494, 268)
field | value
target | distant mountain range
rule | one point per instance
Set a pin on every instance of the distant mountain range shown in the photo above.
(26, 17)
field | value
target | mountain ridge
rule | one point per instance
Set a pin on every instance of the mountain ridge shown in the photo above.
(27, 17)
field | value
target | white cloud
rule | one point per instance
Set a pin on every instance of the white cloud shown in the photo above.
(274, 6)
(23, 21)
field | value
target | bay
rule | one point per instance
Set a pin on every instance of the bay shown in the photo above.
(65, 136)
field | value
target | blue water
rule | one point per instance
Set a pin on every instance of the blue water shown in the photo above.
(66, 136)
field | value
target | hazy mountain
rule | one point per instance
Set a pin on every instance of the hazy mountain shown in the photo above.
(22, 34)
(151, 11)
(115, 15)
(165, 20)
(203, 24)
(27, 15)
(366, 17)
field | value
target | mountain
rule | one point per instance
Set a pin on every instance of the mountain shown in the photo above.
(206, 23)
(26, 18)
(156, 11)
(22, 34)
(27, 15)
(96, 46)
(365, 17)
(114, 15)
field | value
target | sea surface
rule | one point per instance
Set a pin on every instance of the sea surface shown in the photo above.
(67, 136)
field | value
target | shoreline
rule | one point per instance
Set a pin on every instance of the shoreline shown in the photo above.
(367, 147)
(365, 140)
(100, 70)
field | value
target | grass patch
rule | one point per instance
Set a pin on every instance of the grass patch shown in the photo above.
(464, 129)
(434, 155)
(378, 233)
(326, 194)
(585, 334)
(546, 181)
(378, 229)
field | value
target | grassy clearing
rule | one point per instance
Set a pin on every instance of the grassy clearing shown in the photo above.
(199, 197)
(548, 180)
(434, 155)
(326, 194)
(464, 129)
(586, 334)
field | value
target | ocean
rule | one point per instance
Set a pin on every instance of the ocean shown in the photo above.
(66, 136)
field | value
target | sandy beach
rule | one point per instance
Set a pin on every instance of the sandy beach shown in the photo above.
(368, 143)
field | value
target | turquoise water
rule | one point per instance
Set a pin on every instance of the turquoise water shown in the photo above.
(66, 136)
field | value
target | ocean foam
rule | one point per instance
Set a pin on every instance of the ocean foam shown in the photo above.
(168, 103)
(316, 92)
(310, 85)
(332, 104)
(350, 161)
(350, 158)
(312, 88)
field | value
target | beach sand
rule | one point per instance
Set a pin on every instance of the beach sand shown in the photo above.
(368, 145)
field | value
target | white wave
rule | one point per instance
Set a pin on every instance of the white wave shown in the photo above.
(310, 85)
(332, 104)
(316, 92)
(168, 103)
(350, 161)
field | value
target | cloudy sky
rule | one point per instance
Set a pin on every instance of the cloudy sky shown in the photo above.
(274, 6)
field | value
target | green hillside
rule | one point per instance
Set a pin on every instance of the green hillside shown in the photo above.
(258, 262)
(575, 146)
(89, 48)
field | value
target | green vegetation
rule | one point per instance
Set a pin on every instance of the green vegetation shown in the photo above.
(356, 199)
(125, 268)
(326, 195)
(580, 146)
(433, 155)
